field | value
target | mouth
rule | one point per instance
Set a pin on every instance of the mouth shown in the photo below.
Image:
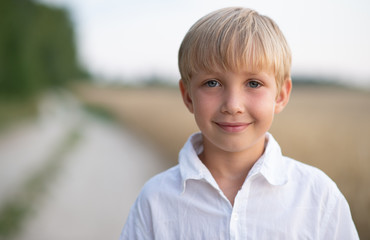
(232, 127)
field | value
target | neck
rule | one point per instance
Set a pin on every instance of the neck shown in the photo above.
(230, 169)
(231, 164)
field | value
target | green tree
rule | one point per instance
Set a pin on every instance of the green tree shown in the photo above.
(37, 48)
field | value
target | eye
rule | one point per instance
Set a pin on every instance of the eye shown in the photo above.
(253, 84)
(212, 83)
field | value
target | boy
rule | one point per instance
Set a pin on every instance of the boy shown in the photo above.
(232, 181)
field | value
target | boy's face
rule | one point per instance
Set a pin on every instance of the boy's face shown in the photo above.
(234, 110)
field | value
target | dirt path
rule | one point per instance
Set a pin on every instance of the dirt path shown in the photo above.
(99, 183)
(24, 149)
(94, 184)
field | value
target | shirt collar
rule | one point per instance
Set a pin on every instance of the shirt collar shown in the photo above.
(270, 164)
(191, 167)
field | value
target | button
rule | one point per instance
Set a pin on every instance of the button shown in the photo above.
(235, 216)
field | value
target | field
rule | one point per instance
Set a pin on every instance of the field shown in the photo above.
(328, 127)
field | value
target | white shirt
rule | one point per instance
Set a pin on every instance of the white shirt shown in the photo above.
(280, 199)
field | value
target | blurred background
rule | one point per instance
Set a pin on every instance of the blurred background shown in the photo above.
(90, 110)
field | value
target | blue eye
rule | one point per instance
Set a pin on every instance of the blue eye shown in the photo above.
(254, 84)
(212, 83)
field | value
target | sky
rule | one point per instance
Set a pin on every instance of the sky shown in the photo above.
(124, 40)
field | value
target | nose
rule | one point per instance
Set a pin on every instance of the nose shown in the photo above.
(233, 102)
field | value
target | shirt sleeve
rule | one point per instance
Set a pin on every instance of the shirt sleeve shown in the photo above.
(138, 225)
(339, 223)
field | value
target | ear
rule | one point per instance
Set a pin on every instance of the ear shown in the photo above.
(186, 96)
(282, 98)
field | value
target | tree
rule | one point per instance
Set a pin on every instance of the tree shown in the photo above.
(37, 48)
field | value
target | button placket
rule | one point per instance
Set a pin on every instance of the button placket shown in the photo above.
(239, 211)
(235, 216)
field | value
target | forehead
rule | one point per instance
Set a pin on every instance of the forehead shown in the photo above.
(219, 69)
(243, 74)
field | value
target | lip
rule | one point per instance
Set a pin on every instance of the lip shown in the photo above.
(232, 127)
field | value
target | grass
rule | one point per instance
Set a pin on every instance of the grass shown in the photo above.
(18, 208)
(99, 112)
(327, 127)
(11, 110)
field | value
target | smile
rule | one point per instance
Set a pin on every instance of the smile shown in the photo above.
(232, 127)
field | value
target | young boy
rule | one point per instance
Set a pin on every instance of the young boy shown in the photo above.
(232, 181)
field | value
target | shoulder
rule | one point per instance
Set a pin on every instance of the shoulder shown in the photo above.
(162, 185)
(322, 193)
(151, 202)
(304, 173)
(312, 180)
(301, 178)
(311, 188)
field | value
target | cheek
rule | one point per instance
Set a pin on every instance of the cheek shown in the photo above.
(204, 103)
(262, 105)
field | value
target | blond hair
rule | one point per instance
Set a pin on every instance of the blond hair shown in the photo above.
(234, 39)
